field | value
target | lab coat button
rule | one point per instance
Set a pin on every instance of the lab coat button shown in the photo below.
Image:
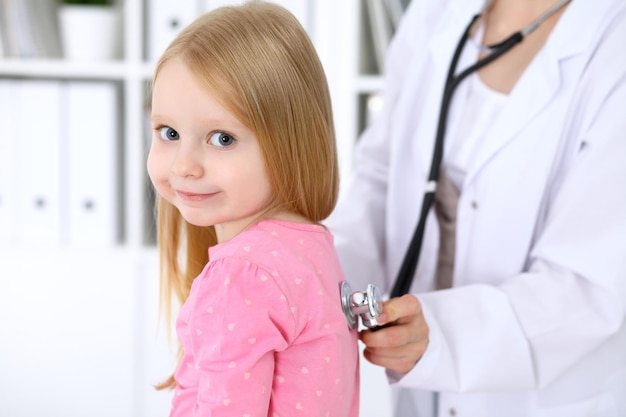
(452, 412)
(474, 205)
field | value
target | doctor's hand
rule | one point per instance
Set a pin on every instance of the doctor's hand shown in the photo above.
(401, 343)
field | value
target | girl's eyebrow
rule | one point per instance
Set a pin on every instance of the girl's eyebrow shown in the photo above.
(157, 117)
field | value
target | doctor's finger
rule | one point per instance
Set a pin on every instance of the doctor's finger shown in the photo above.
(401, 363)
(391, 336)
(413, 350)
(405, 331)
(399, 307)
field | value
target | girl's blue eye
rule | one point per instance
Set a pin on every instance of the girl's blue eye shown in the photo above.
(167, 133)
(221, 139)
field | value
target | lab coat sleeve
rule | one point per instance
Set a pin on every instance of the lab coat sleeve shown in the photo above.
(358, 222)
(571, 303)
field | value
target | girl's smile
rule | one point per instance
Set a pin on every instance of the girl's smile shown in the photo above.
(191, 197)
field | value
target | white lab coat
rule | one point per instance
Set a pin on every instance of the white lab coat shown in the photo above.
(534, 325)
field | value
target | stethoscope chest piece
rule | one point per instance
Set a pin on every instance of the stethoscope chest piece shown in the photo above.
(366, 304)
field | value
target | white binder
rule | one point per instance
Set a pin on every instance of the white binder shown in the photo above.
(91, 128)
(166, 18)
(39, 170)
(9, 28)
(382, 31)
(43, 28)
(8, 163)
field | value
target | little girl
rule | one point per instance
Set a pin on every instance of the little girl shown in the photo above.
(244, 161)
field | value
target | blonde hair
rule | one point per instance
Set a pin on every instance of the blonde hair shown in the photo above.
(258, 61)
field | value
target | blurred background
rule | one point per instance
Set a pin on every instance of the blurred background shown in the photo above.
(79, 323)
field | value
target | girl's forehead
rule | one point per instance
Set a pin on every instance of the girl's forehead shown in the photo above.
(176, 80)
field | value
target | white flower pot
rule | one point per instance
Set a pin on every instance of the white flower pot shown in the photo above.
(90, 33)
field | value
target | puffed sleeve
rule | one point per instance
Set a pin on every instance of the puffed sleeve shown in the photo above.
(238, 320)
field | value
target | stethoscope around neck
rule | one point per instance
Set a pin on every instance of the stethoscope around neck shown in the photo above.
(368, 304)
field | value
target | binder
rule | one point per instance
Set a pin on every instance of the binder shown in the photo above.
(3, 35)
(9, 28)
(92, 130)
(381, 29)
(42, 26)
(29, 29)
(39, 169)
(165, 20)
(395, 9)
(8, 164)
(24, 34)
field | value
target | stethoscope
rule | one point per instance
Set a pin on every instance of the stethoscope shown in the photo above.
(368, 304)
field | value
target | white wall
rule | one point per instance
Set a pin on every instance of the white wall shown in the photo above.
(79, 337)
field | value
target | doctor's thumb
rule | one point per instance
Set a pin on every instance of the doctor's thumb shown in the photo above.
(398, 308)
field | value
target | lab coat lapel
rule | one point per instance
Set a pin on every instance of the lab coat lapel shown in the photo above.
(532, 93)
(540, 82)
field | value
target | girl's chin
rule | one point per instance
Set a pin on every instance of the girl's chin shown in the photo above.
(197, 219)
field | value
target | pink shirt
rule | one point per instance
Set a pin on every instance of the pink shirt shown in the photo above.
(263, 331)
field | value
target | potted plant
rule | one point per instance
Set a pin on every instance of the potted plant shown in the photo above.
(90, 29)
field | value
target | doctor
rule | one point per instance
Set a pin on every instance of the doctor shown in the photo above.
(518, 304)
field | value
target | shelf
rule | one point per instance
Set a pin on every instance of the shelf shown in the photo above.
(369, 84)
(54, 68)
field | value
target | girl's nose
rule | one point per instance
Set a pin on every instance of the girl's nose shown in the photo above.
(187, 162)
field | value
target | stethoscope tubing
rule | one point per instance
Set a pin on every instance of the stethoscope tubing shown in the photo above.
(406, 273)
